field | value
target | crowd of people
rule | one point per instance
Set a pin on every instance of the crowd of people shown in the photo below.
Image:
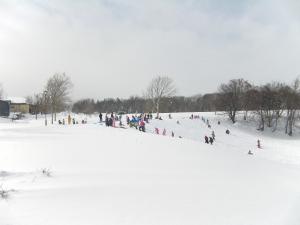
(139, 122)
(136, 121)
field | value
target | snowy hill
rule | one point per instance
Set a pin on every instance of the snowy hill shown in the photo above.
(102, 175)
(243, 136)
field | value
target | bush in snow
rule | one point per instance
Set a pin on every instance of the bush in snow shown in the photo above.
(5, 193)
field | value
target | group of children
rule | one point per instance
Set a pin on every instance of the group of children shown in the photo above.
(110, 121)
(194, 117)
(70, 120)
(213, 136)
(210, 139)
(139, 121)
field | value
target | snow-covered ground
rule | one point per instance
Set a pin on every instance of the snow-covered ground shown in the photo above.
(102, 175)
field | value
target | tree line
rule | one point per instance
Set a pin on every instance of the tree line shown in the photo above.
(159, 97)
(269, 103)
(136, 104)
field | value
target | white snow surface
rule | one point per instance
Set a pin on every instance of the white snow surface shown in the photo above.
(113, 176)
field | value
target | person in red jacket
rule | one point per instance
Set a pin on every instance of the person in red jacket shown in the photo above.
(142, 126)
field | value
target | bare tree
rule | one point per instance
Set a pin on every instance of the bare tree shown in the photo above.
(160, 87)
(292, 103)
(250, 101)
(58, 90)
(29, 100)
(231, 96)
(268, 104)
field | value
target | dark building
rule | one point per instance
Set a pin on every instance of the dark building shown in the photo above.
(4, 108)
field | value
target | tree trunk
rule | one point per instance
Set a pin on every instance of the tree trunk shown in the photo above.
(287, 121)
(291, 122)
(262, 125)
(262, 121)
(269, 121)
(232, 116)
(276, 122)
(290, 127)
(52, 115)
(245, 115)
(157, 110)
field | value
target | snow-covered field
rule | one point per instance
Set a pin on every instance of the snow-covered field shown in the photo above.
(115, 176)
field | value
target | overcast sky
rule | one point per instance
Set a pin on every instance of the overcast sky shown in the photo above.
(114, 48)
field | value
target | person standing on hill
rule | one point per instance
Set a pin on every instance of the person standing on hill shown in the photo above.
(113, 122)
(110, 123)
(211, 140)
(164, 132)
(142, 126)
(213, 135)
(106, 121)
(258, 144)
(100, 117)
(206, 139)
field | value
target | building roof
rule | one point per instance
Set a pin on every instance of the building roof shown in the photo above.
(16, 100)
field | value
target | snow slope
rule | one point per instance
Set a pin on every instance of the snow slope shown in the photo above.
(114, 176)
(243, 136)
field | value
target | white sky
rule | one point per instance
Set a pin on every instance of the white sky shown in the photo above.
(113, 48)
